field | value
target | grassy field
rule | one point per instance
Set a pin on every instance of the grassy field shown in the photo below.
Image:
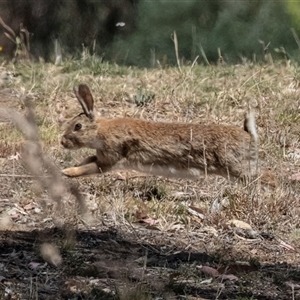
(126, 235)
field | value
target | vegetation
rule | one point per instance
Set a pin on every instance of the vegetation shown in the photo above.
(239, 30)
(126, 235)
(166, 33)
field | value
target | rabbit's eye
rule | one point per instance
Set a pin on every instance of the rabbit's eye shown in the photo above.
(77, 127)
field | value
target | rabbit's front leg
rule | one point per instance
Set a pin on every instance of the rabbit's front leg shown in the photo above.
(87, 160)
(88, 169)
(88, 166)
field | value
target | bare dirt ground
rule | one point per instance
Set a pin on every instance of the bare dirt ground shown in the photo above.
(126, 235)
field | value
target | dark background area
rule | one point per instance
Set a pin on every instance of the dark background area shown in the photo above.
(140, 32)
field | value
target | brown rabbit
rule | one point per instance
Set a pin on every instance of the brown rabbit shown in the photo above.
(167, 149)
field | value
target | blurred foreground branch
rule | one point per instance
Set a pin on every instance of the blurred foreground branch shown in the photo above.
(36, 162)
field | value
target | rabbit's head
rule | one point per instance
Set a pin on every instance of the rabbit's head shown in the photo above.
(81, 131)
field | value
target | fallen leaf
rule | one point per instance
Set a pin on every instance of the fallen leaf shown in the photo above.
(206, 281)
(37, 210)
(293, 153)
(210, 229)
(228, 277)
(209, 271)
(175, 227)
(14, 157)
(120, 176)
(5, 221)
(197, 209)
(174, 275)
(254, 251)
(295, 176)
(217, 205)
(51, 254)
(33, 265)
(193, 210)
(239, 224)
(15, 216)
(286, 246)
(149, 221)
(29, 206)
(238, 268)
(46, 220)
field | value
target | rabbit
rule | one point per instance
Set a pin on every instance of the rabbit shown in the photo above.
(159, 148)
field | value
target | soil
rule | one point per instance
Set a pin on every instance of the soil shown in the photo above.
(107, 263)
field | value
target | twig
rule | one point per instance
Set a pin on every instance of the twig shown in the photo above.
(203, 54)
(7, 27)
(20, 176)
(296, 37)
(194, 62)
(175, 40)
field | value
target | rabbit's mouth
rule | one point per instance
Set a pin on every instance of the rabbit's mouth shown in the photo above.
(68, 143)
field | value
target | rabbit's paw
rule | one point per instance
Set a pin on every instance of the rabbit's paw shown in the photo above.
(71, 172)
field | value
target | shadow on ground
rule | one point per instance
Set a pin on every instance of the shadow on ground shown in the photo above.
(107, 265)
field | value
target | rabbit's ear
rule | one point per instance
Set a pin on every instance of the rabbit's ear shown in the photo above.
(85, 99)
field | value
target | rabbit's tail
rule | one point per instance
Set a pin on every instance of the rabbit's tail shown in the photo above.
(250, 126)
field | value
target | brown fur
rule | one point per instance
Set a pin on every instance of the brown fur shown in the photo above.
(168, 149)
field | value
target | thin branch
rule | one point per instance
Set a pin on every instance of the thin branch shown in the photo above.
(7, 27)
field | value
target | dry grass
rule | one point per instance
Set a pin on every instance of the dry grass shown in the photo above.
(197, 212)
